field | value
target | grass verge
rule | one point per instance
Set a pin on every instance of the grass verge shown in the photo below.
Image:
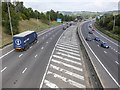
(25, 25)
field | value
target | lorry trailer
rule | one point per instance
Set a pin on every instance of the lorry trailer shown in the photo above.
(23, 40)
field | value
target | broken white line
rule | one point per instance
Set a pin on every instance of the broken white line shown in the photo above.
(4, 69)
(24, 70)
(116, 62)
(20, 55)
(36, 56)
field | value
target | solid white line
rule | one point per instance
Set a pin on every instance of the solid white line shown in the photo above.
(68, 52)
(70, 56)
(71, 82)
(36, 56)
(50, 84)
(67, 65)
(68, 49)
(7, 53)
(4, 69)
(108, 39)
(24, 70)
(116, 62)
(99, 60)
(49, 62)
(65, 59)
(67, 72)
(20, 55)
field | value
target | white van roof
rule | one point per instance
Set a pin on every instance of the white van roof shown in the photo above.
(23, 34)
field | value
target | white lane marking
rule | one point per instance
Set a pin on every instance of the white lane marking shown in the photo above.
(65, 59)
(49, 62)
(98, 45)
(70, 56)
(68, 49)
(36, 55)
(3, 69)
(67, 65)
(42, 47)
(24, 70)
(6, 53)
(99, 60)
(105, 52)
(68, 44)
(68, 52)
(67, 72)
(20, 55)
(50, 84)
(116, 62)
(46, 42)
(108, 39)
(31, 47)
(37, 41)
(76, 84)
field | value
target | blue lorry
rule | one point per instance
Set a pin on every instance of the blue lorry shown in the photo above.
(23, 40)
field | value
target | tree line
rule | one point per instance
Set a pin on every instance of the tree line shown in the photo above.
(107, 21)
(19, 12)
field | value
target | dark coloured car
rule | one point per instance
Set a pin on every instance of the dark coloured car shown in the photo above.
(90, 32)
(90, 26)
(70, 24)
(104, 45)
(88, 38)
(64, 28)
(97, 38)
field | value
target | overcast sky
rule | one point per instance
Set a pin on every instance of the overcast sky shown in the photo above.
(72, 5)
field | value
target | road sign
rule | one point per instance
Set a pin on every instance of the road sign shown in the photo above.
(59, 20)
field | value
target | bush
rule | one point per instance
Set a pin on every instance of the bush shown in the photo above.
(116, 30)
(110, 25)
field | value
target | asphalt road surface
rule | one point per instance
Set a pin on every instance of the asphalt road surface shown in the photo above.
(26, 69)
(107, 58)
(65, 69)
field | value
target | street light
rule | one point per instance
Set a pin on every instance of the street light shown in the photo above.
(114, 23)
(10, 20)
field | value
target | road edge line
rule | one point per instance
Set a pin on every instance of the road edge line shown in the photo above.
(50, 61)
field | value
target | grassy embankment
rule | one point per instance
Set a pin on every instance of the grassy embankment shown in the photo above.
(104, 31)
(25, 25)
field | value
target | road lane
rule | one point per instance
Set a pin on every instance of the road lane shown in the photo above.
(107, 56)
(24, 68)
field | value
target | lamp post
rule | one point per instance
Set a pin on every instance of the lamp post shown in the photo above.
(10, 20)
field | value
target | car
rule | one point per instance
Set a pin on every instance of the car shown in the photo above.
(97, 38)
(67, 26)
(64, 28)
(90, 32)
(93, 29)
(70, 24)
(90, 26)
(104, 45)
(88, 38)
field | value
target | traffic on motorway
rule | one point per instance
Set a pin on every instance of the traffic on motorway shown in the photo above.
(59, 44)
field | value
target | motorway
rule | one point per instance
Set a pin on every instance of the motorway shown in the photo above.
(26, 69)
(105, 60)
